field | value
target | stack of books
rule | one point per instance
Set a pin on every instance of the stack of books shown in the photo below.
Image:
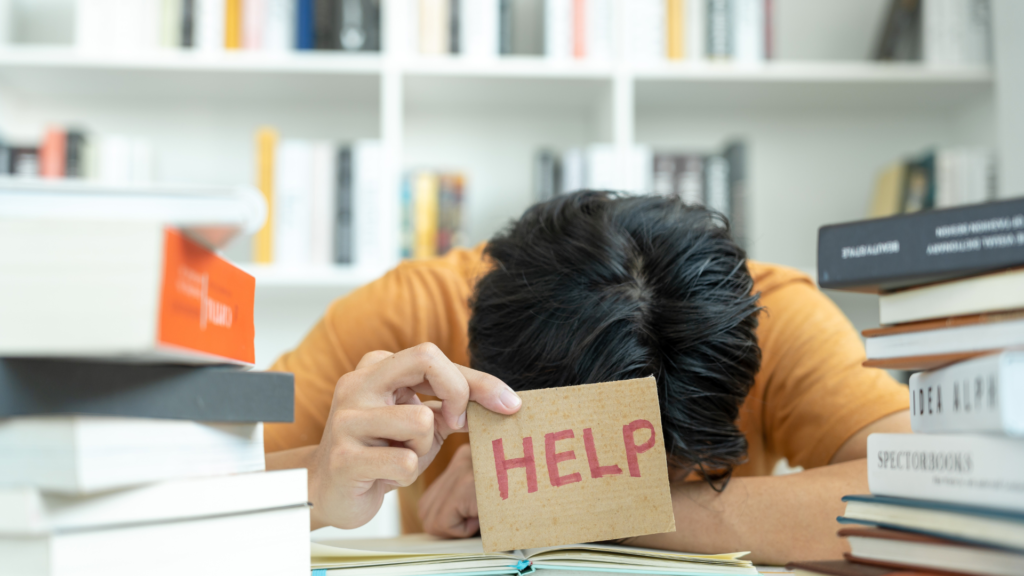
(940, 178)
(69, 152)
(944, 33)
(431, 207)
(950, 497)
(131, 435)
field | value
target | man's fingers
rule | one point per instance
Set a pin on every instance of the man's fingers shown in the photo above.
(412, 424)
(425, 368)
(398, 466)
(490, 392)
(371, 358)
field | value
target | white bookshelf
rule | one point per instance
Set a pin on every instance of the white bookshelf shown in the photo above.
(820, 121)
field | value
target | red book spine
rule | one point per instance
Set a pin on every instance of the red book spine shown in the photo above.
(579, 28)
(52, 154)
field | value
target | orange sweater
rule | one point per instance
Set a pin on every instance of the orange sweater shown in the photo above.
(810, 396)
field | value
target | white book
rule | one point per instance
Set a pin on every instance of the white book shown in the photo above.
(322, 207)
(998, 292)
(209, 25)
(558, 29)
(266, 543)
(639, 177)
(293, 194)
(212, 215)
(27, 510)
(254, 23)
(956, 32)
(478, 28)
(695, 30)
(983, 394)
(371, 217)
(959, 339)
(748, 31)
(89, 454)
(602, 167)
(574, 169)
(92, 18)
(647, 30)
(119, 290)
(279, 32)
(114, 158)
(434, 27)
(717, 184)
(599, 31)
(170, 24)
(975, 469)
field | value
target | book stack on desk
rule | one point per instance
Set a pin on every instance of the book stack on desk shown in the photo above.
(131, 434)
(950, 497)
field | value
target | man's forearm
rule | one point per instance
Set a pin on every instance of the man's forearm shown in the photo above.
(777, 518)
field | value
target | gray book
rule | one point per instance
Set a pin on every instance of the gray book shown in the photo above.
(209, 394)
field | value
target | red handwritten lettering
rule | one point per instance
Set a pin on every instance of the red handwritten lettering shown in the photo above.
(503, 465)
(554, 458)
(631, 448)
(596, 470)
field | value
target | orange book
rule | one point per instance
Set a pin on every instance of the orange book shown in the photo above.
(137, 291)
(233, 24)
(52, 154)
(674, 10)
(579, 28)
(263, 241)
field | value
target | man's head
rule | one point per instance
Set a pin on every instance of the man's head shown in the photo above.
(591, 287)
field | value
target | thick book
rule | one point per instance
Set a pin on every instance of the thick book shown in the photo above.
(913, 249)
(984, 394)
(30, 386)
(89, 454)
(265, 543)
(27, 510)
(422, 554)
(844, 568)
(208, 214)
(991, 527)
(997, 292)
(934, 344)
(133, 291)
(971, 469)
(910, 551)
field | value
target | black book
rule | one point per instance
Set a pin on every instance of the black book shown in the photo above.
(23, 161)
(901, 34)
(343, 207)
(505, 27)
(325, 25)
(74, 154)
(30, 386)
(357, 25)
(454, 22)
(736, 156)
(188, 23)
(913, 249)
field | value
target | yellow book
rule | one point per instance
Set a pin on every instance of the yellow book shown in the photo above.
(263, 241)
(425, 202)
(233, 24)
(674, 19)
(888, 196)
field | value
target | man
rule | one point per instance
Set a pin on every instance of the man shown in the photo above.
(752, 363)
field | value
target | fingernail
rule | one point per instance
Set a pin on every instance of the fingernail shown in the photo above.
(510, 400)
(462, 420)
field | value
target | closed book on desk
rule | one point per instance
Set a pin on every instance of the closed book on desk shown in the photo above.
(997, 292)
(972, 469)
(844, 568)
(936, 343)
(33, 386)
(984, 394)
(133, 291)
(265, 543)
(422, 554)
(983, 526)
(914, 551)
(26, 510)
(88, 454)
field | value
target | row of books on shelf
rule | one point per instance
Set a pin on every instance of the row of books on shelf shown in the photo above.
(946, 499)
(78, 153)
(937, 32)
(939, 178)
(715, 179)
(215, 25)
(123, 434)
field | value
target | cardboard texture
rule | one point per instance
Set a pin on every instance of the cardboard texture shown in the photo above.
(596, 472)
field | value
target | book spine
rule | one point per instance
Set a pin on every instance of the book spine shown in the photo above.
(480, 28)
(972, 469)
(292, 199)
(211, 25)
(647, 30)
(324, 25)
(425, 208)
(505, 26)
(736, 201)
(984, 394)
(233, 24)
(206, 304)
(304, 35)
(75, 155)
(696, 29)
(689, 184)
(369, 213)
(558, 29)
(322, 204)
(170, 23)
(719, 29)
(675, 28)
(188, 24)
(769, 29)
(52, 154)
(279, 35)
(263, 241)
(889, 253)
(408, 230)
(351, 26)
(579, 29)
(371, 23)
(748, 31)
(343, 207)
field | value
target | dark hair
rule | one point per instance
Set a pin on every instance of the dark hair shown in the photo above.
(596, 286)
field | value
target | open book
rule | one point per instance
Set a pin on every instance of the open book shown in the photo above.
(422, 554)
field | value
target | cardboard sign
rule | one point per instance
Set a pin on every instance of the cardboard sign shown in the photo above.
(575, 464)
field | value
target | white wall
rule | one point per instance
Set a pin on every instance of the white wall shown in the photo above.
(1008, 16)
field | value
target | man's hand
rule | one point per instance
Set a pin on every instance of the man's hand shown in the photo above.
(448, 507)
(379, 436)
